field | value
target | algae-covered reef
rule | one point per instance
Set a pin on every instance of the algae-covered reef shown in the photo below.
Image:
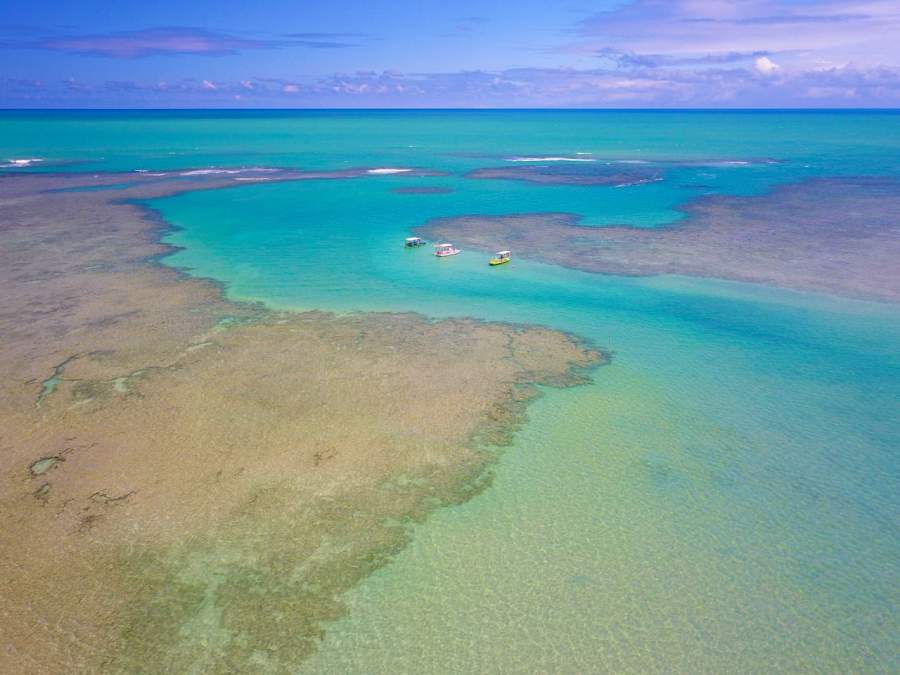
(203, 479)
(835, 235)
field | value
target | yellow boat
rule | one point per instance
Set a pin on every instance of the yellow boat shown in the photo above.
(500, 258)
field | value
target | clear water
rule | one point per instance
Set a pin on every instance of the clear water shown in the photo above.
(724, 496)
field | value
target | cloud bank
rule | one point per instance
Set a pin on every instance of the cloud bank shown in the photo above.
(645, 53)
(761, 83)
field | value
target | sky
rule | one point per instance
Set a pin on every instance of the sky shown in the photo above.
(433, 53)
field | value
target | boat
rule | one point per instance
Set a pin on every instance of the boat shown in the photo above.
(413, 242)
(500, 257)
(443, 250)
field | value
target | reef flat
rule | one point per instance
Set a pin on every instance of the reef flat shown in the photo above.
(188, 484)
(838, 235)
(569, 174)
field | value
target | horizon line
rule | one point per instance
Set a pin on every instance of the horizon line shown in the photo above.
(456, 109)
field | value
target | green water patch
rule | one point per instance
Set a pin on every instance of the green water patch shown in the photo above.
(42, 493)
(120, 384)
(50, 384)
(44, 464)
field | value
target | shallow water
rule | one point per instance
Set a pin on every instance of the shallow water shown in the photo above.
(722, 497)
(678, 515)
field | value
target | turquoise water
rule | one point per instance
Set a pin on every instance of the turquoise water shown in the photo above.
(724, 496)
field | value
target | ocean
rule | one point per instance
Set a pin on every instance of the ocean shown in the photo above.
(723, 496)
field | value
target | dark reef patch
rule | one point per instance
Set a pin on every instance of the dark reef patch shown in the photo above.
(586, 173)
(837, 235)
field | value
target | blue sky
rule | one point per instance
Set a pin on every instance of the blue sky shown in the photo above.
(522, 53)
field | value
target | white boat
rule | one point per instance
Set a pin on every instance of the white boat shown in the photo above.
(443, 250)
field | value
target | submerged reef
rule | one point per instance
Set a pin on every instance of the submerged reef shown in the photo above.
(836, 235)
(570, 174)
(204, 478)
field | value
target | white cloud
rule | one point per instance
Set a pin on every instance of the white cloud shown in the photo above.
(765, 65)
(863, 32)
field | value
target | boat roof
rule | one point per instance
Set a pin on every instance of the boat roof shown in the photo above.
(442, 245)
(413, 238)
(504, 253)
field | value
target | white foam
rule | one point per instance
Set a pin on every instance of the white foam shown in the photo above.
(387, 171)
(206, 172)
(550, 159)
(724, 162)
(643, 181)
(21, 162)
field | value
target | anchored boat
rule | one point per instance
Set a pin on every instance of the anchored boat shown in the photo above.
(500, 258)
(413, 242)
(444, 250)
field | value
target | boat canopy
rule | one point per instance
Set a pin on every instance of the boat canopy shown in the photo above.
(503, 254)
(443, 245)
(414, 239)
